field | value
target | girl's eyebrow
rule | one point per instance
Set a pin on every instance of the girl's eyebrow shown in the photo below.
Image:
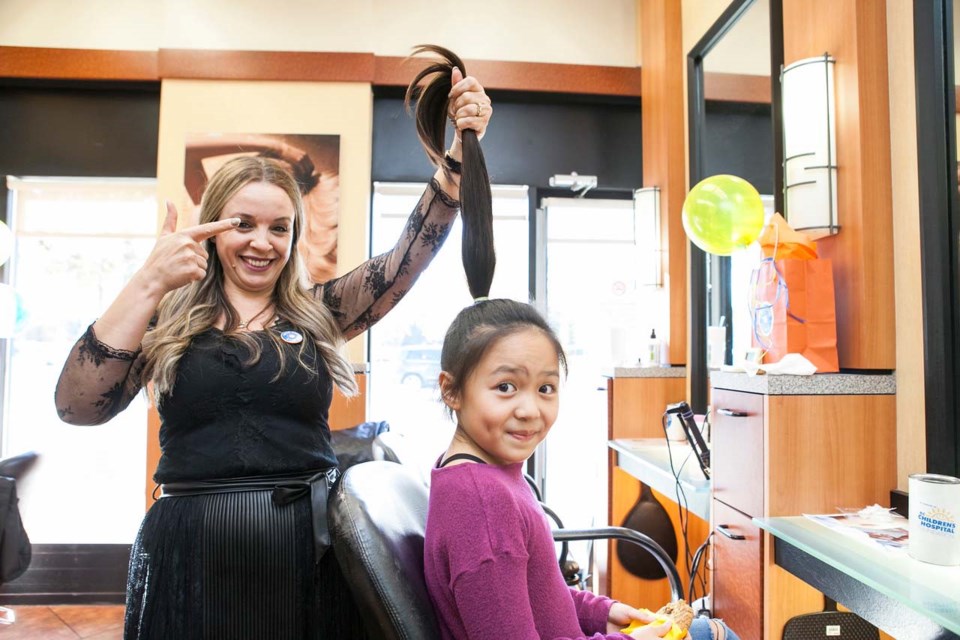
(521, 370)
(505, 368)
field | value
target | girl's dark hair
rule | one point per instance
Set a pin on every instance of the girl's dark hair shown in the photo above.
(478, 327)
(479, 258)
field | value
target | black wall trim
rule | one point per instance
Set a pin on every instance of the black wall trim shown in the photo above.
(79, 129)
(939, 228)
(531, 139)
(71, 574)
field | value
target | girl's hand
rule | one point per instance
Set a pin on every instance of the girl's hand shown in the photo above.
(652, 631)
(179, 257)
(469, 107)
(622, 615)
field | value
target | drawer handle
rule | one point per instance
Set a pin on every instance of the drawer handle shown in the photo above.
(725, 530)
(732, 413)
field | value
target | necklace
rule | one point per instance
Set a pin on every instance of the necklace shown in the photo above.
(243, 323)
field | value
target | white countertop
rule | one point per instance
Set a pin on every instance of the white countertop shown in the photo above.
(648, 460)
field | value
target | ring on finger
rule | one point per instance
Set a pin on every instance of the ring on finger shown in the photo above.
(479, 110)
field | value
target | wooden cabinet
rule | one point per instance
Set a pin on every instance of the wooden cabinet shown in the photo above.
(784, 455)
(737, 448)
(738, 571)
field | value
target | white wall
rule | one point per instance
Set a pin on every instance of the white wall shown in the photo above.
(599, 32)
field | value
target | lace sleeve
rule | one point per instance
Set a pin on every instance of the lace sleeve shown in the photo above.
(97, 381)
(359, 299)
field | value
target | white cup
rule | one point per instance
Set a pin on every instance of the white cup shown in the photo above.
(935, 518)
(716, 346)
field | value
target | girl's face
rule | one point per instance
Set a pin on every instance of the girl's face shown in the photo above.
(511, 398)
(253, 255)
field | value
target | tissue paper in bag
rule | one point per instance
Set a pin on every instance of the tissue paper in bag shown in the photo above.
(794, 311)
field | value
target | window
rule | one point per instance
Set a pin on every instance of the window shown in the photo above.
(405, 345)
(77, 243)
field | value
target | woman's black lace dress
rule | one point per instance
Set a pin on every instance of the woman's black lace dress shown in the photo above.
(237, 565)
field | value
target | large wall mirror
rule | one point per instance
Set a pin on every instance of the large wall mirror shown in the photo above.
(936, 48)
(733, 76)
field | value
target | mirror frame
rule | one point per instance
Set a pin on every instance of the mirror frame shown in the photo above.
(696, 114)
(939, 228)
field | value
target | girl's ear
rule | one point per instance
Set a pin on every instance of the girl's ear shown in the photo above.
(447, 392)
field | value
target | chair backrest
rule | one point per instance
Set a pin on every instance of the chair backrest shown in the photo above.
(377, 516)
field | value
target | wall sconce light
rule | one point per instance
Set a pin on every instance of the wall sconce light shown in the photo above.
(646, 235)
(810, 146)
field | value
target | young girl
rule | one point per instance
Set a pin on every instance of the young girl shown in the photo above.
(490, 561)
(489, 558)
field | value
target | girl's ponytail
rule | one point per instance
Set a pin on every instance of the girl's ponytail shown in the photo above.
(430, 113)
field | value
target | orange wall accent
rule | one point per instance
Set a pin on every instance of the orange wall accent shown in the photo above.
(855, 33)
(664, 151)
(525, 76)
(88, 64)
(265, 65)
(735, 87)
(77, 64)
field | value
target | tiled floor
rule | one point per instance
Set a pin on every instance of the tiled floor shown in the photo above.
(65, 622)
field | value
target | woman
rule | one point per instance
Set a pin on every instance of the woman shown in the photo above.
(242, 358)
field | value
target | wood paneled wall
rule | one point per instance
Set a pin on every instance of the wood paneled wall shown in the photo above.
(664, 151)
(854, 32)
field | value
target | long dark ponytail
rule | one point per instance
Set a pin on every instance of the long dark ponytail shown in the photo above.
(430, 113)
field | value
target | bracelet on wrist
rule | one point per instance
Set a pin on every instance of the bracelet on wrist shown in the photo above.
(452, 165)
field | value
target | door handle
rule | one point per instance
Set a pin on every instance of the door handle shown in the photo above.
(725, 530)
(732, 413)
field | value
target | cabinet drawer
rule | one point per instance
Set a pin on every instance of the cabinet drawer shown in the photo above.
(736, 457)
(737, 572)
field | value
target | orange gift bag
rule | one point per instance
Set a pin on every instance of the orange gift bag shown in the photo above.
(793, 306)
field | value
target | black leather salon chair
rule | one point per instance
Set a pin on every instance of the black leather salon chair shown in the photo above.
(377, 516)
(15, 550)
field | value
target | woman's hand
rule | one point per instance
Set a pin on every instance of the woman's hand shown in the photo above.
(621, 615)
(179, 258)
(469, 107)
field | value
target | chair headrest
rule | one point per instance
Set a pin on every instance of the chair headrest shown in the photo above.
(15, 466)
(377, 517)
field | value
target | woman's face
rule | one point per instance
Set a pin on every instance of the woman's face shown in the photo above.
(254, 254)
(511, 399)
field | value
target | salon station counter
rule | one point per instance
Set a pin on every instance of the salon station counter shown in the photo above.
(785, 445)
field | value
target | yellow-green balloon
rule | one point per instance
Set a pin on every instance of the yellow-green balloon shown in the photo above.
(722, 214)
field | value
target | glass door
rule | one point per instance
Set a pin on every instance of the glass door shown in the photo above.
(589, 264)
(77, 241)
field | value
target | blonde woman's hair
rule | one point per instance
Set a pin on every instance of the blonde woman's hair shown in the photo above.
(194, 308)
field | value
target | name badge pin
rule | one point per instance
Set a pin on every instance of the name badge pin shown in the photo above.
(291, 337)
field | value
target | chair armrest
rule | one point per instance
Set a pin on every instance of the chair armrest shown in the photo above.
(628, 535)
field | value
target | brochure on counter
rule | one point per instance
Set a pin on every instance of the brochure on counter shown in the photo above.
(874, 525)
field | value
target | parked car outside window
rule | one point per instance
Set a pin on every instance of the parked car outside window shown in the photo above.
(420, 365)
